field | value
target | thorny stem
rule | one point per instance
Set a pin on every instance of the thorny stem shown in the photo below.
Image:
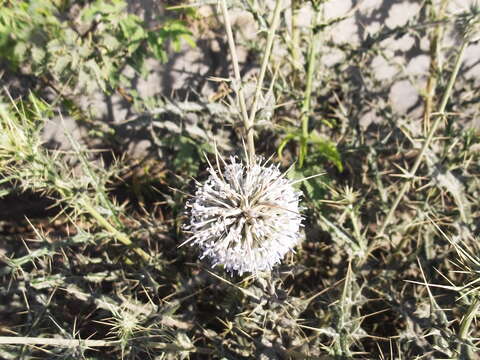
(464, 350)
(266, 58)
(440, 117)
(344, 313)
(120, 236)
(312, 52)
(238, 83)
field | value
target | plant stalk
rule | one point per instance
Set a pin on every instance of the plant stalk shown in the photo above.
(266, 58)
(120, 236)
(464, 351)
(312, 59)
(238, 84)
(20, 340)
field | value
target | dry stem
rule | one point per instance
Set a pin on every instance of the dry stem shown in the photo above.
(20, 340)
(238, 83)
(250, 120)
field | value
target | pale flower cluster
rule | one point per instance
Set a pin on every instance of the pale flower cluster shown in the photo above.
(245, 217)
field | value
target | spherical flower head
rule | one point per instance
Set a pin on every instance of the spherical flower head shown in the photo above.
(245, 217)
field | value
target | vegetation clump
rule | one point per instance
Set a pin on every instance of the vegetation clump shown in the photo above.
(357, 238)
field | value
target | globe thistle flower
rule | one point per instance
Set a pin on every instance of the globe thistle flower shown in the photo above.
(246, 217)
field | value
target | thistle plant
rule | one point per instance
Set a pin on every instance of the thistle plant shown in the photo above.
(26, 163)
(245, 217)
(365, 284)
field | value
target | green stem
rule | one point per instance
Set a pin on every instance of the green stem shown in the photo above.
(312, 59)
(464, 351)
(356, 228)
(123, 238)
(419, 159)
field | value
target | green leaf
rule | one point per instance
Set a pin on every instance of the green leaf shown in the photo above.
(132, 32)
(38, 54)
(104, 9)
(289, 137)
(155, 44)
(314, 187)
(327, 149)
(83, 80)
(61, 64)
(110, 42)
(20, 50)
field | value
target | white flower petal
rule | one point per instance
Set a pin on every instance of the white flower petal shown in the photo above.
(246, 217)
